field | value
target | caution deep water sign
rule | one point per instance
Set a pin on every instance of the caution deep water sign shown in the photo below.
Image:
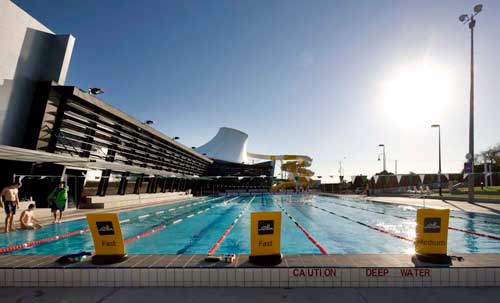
(265, 233)
(107, 234)
(432, 231)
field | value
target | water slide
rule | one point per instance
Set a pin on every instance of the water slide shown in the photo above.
(293, 165)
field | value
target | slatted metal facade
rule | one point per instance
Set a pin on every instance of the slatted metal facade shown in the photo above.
(78, 124)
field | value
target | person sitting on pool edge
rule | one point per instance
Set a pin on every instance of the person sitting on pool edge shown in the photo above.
(28, 220)
(57, 200)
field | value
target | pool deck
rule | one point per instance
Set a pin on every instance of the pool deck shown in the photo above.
(46, 217)
(367, 270)
(491, 208)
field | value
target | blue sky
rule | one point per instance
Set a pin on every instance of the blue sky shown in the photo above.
(330, 79)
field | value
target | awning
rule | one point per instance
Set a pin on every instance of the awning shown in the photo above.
(12, 153)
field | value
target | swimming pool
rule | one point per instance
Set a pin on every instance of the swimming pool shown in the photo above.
(337, 226)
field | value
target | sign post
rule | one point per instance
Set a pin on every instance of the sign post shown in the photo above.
(107, 237)
(265, 238)
(431, 243)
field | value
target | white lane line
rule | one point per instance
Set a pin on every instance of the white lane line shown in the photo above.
(177, 221)
(126, 220)
(190, 216)
(160, 212)
(200, 212)
(143, 216)
(172, 209)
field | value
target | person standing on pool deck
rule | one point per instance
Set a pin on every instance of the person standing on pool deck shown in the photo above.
(57, 200)
(9, 200)
(28, 220)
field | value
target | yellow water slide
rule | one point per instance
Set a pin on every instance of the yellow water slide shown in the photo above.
(294, 166)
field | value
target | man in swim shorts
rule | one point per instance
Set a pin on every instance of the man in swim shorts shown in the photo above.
(28, 220)
(9, 200)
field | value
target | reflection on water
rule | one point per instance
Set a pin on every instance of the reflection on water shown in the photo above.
(471, 240)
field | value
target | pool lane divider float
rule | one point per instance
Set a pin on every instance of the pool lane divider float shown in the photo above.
(108, 238)
(176, 220)
(364, 224)
(227, 231)
(85, 230)
(431, 241)
(308, 235)
(405, 218)
(41, 241)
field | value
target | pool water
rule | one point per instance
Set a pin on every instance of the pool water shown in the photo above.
(340, 226)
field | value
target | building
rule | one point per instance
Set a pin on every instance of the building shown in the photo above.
(50, 132)
(29, 52)
(231, 170)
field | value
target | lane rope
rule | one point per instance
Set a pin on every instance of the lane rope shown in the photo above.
(81, 231)
(308, 235)
(364, 224)
(409, 219)
(228, 230)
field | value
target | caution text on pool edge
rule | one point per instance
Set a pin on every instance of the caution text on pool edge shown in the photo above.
(265, 233)
(106, 233)
(432, 231)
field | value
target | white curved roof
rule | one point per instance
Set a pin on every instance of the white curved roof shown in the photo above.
(228, 145)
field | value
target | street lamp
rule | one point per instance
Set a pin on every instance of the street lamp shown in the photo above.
(472, 22)
(439, 171)
(383, 154)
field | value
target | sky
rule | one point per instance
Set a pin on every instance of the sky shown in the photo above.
(328, 79)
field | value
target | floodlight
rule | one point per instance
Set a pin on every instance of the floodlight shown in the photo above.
(478, 8)
(463, 18)
(95, 91)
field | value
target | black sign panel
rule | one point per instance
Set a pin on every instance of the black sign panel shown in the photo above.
(105, 228)
(432, 225)
(266, 227)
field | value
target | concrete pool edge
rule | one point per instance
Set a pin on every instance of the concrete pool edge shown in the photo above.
(391, 270)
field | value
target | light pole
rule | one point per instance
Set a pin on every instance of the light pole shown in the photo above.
(341, 170)
(472, 22)
(383, 155)
(439, 171)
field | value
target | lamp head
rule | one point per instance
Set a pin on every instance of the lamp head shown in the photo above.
(463, 18)
(95, 91)
(478, 8)
(381, 145)
(435, 125)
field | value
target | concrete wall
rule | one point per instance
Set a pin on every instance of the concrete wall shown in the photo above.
(29, 52)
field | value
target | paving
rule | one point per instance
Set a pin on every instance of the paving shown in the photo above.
(289, 261)
(242, 295)
(492, 208)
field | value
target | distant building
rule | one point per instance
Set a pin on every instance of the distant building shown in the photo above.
(231, 170)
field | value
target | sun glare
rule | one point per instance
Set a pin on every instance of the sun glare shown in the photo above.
(417, 94)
